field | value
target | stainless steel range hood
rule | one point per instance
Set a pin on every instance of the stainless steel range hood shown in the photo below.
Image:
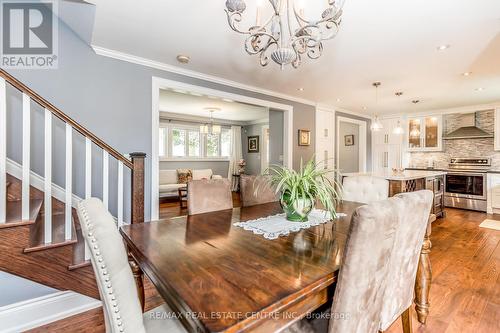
(467, 129)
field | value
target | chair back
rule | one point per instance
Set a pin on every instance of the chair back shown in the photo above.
(378, 236)
(207, 195)
(256, 190)
(405, 255)
(365, 189)
(122, 310)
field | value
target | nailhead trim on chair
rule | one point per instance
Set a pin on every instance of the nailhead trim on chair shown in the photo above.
(102, 268)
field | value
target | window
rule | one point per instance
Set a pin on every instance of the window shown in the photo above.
(163, 141)
(193, 144)
(178, 142)
(186, 141)
(212, 145)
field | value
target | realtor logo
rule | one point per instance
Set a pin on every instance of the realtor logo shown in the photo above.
(29, 34)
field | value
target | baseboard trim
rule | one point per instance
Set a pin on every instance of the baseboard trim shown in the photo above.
(22, 316)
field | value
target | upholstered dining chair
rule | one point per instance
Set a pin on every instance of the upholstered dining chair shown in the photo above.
(122, 310)
(380, 260)
(208, 195)
(255, 190)
(365, 189)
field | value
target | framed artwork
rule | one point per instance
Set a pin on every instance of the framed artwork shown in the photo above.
(304, 137)
(349, 140)
(253, 144)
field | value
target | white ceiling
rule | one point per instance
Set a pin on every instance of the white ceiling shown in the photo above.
(391, 41)
(187, 104)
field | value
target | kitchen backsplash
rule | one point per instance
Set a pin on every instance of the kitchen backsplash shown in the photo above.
(461, 148)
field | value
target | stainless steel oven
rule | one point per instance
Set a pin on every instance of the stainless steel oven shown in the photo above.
(465, 185)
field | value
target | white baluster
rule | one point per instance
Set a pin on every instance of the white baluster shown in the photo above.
(69, 183)
(88, 180)
(120, 194)
(88, 168)
(48, 178)
(25, 196)
(105, 180)
(3, 150)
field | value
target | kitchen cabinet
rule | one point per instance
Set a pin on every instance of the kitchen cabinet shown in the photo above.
(497, 129)
(493, 193)
(436, 185)
(425, 133)
(387, 146)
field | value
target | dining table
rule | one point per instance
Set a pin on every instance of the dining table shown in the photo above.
(218, 277)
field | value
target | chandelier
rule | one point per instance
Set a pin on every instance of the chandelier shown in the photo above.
(287, 34)
(210, 128)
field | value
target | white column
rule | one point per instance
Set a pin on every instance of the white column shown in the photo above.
(69, 183)
(25, 196)
(48, 178)
(105, 178)
(88, 168)
(3, 150)
(120, 194)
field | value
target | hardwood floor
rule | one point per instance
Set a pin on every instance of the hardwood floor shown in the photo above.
(465, 293)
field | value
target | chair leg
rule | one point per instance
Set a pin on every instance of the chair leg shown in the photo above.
(406, 319)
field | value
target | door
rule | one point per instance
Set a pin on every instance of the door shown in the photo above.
(325, 138)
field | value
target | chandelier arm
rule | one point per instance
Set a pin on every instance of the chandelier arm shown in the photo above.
(255, 48)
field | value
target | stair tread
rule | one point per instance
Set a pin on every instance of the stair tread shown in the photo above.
(78, 248)
(37, 235)
(14, 213)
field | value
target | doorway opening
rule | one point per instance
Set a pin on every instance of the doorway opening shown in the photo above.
(351, 145)
(212, 133)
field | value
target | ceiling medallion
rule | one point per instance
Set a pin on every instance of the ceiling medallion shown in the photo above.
(287, 35)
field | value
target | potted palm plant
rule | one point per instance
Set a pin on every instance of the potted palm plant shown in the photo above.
(299, 190)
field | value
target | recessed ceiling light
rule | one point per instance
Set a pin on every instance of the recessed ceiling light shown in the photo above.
(300, 89)
(196, 94)
(183, 59)
(212, 97)
(228, 100)
(338, 99)
(466, 73)
(443, 47)
(364, 107)
(479, 89)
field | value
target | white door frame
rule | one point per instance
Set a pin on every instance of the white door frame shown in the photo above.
(362, 141)
(161, 83)
(319, 158)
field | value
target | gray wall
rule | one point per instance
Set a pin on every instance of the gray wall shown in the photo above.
(348, 155)
(252, 159)
(112, 99)
(276, 129)
(368, 136)
(218, 167)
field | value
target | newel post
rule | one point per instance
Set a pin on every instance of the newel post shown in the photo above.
(138, 187)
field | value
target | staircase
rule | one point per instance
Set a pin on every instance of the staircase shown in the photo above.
(40, 235)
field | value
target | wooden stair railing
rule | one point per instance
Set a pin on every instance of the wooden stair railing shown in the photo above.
(135, 164)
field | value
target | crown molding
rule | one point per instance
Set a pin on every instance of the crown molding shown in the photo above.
(190, 73)
(460, 109)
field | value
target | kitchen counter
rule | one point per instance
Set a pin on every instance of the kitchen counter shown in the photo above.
(406, 175)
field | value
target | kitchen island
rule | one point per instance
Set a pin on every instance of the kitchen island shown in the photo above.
(409, 181)
(414, 180)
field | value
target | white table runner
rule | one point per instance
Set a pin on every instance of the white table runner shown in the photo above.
(271, 227)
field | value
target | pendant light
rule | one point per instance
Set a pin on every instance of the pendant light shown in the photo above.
(398, 129)
(211, 128)
(415, 131)
(376, 124)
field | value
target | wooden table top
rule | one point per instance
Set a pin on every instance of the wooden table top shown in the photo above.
(226, 279)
